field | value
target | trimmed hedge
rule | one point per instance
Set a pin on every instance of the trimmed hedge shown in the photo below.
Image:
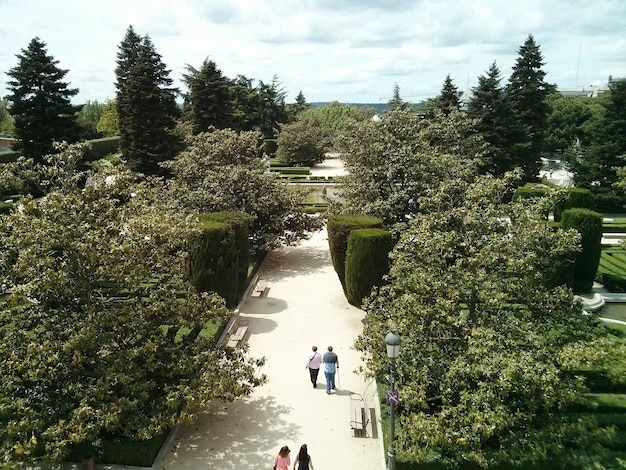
(576, 198)
(589, 225)
(529, 191)
(102, 147)
(339, 228)
(367, 261)
(291, 170)
(213, 261)
(8, 156)
(239, 221)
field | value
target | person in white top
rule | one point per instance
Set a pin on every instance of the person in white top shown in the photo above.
(313, 363)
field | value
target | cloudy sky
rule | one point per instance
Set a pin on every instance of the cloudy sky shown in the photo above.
(352, 51)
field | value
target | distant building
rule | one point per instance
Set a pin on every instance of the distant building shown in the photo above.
(6, 142)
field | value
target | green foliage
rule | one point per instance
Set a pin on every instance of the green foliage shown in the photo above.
(339, 228)
(146, 105)
(392, 163)
(448, 99)
(367, 261)
(481, 327)
(301, 142)
(291, 170)
(574, 198)
(566, 121)
(213, 261)
(529, 191)
(40, 102)
(88, 118)
(209, 103)
(334, 118)
(612, 269)
(102, 334)
(239, 222)
(223, 171)
(100, 148)
(108, 124)
(589, 225)
(527, 94)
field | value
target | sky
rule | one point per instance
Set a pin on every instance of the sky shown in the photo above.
(352, 51)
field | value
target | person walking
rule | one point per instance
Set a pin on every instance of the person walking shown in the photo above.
(303, 461)
(331, 364)
(282, 460)
(314, 363)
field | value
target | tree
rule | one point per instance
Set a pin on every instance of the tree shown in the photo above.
(108, 124)
(526, 93)
(490, 108)
(40, 102)
(300, 105)
(448, 99)
(102, 335)
(566, 122)
(270, 108)
(208, 102)
(396, 101)
(301, 142)
(146, 105)
(223, 171)
(603, 150)
(483, 326)
(391, 164)
(88, 118)
(7, 122)
(335, 117)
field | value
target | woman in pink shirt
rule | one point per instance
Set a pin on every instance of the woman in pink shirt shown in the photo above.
(282, 460)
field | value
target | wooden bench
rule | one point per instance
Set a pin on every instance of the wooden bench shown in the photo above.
(358, 415)
(237, 333)
(259, 288)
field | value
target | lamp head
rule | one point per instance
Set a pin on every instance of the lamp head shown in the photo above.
(393, 340)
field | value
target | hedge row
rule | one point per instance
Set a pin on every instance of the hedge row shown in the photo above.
(367, 261)
(220, 256)
(291, 170)
(589, 225)
(339, 228)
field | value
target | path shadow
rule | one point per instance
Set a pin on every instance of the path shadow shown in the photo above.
(227, 436)
(296, 261)
(263, 306)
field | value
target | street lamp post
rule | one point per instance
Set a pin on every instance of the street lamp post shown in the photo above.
(392, 340)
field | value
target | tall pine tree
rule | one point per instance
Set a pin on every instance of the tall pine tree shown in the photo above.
(40, 102)
(209, 101)
(526, 92)
(489, 106)
(146, 105)
(448, 99)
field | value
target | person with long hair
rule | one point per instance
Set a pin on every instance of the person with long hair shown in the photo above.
(304, 459)
(282, 460)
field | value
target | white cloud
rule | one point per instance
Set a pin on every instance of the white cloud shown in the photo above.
(348, 50)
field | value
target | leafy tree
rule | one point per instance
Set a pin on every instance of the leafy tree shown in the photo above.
(40, 102)
(245, 103)
(208, 102)
(271, 111)
(335, 117)
(448, 99)
(594, 164)
(223, 171)
(392, 163)
(108, 124)
(146, 105)
(489, 106)
(301, 142)
(88, 118)
(102, 335)
(566, 121)
(482, 331)
(7, 122)
(527, 92)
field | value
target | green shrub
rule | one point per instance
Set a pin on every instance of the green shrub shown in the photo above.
(213, 261)
(339, 228)
(367, 261)
(239, 221)
(589, 225)
(576, 198)
(291, 170)
(8, 156)
(102, 147)
(613, 282)
(530, 191)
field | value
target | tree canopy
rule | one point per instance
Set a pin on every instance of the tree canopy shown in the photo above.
(102, 333)
(146, 105)
(483, 324)
(40, 102)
